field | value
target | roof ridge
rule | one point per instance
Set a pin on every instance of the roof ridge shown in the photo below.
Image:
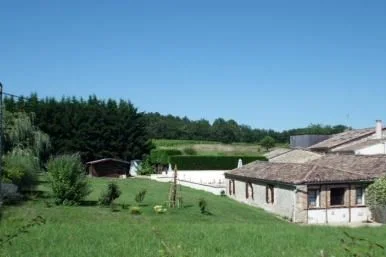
(309, 172)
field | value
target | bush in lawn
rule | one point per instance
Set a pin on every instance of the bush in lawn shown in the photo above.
(140, 196)
(268, 142)
(222, 193)
(68, 179)
(110, 194)
(21, 167)
(376, 199)
(190, 151)
(203, 205)
(135, 210)
(202, 162)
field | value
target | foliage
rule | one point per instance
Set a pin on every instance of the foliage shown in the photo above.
(140, 196)
(161, 156)
(202, 204)
(146, 168)
(95, 128)
(21, 132)
(68, 179)
(268, 142)
(376, 193)
(135, 210)
(21, 167)
(110, 194)
(186, 162)
(226, 131)
(189, 151)
(159, 209)
(222, 193)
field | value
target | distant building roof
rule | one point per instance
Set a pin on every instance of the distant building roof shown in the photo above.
(342, 138)
(106, 160)
(276, 152)
(328, 169)
(296, 156)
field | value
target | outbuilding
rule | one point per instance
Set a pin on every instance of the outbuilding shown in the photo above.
(108, 167)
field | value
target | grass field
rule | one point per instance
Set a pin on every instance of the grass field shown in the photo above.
(233, 230)
(211, 147)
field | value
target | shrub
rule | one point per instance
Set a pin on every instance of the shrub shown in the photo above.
(222, 193)
(161, 156)
(190, 151)
(186, 162)
(21, 167)
(112, 192)
(268, 142)
(202, 204)
(376, 193)
(140, 196)
(68, 179)
(135, 210)
(146, 168)
(159, 209)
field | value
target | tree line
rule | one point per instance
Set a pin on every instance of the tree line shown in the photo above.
(98, 128)
(225, 131)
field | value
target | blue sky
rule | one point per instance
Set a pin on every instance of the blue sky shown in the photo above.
(267, 64)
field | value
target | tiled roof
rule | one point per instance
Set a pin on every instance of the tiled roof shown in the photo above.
(276, 152)
(360, 145)
(328, 169)
(342, 138)
(296, 156)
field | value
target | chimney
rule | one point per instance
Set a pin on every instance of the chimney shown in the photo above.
(378, 129)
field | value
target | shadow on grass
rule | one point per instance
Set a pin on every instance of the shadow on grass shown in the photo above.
(143, 205)
(88, 203)
(188, 206)
(208, 213)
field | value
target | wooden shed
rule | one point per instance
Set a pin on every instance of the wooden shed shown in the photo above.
(108, 167)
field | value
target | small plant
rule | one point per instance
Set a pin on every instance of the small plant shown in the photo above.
(222, 193)
(159, 209)
(135, 210)
(202, 204)
(107, 197)
(140, 196)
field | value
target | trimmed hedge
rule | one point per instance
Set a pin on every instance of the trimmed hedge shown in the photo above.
(186, 162)
(161, 156)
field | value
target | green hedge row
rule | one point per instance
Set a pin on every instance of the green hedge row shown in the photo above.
(186, 162)
(161, 156)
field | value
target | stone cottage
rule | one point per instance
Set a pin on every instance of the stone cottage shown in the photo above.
(330, 189)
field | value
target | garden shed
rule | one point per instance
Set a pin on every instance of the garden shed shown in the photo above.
(108, 167)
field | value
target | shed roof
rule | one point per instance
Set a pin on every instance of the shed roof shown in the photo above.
(106, 160)
(328, 169)
(276, 152)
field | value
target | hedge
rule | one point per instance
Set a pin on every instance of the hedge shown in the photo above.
(161, 156)
(186, 162)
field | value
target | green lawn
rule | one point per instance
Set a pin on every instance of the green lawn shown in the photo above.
(210, 147)
(233, 230)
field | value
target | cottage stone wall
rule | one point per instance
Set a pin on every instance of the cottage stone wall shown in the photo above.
(284, 197)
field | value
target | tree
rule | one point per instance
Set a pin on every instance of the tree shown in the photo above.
(268, 142)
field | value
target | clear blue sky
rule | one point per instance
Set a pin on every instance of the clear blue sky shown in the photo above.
(268, 64)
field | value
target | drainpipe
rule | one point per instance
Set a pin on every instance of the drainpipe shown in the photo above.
(294, 206)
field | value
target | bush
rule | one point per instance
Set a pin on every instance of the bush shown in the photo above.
(146, 168)
(21, 167)
(189, 151)
(222, 193)
(135, 210)
(112, 192)
(140, 196)
(376, 193)
(68, 179)
(202, 204)
(186, 162)
(268, 142)
(161, 156)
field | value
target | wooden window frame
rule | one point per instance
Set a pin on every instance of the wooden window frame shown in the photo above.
(343, 198)
(362, 188)
(270, 194)
(317, 200)
(248, 185)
